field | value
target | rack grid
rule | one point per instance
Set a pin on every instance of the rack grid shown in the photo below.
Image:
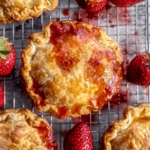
(130, 27)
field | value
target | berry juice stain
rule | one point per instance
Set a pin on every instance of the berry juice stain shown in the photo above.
(109, 12)
(66, 12)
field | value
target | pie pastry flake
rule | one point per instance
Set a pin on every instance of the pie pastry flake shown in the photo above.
(21, 129)
(71, 68)
(20, 10)
(132, 132)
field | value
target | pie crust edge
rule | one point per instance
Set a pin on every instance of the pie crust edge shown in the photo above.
(129, 114)
(32, 120)
(29, 51)
(14, 12)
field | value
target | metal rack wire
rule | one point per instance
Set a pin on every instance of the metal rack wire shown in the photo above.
(123, 33)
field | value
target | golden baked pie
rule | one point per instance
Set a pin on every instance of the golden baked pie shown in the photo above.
(132, 132)
(20, 129)
(20, 10)
(71, 68)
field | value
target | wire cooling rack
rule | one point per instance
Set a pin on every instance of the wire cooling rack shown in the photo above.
(130, 27)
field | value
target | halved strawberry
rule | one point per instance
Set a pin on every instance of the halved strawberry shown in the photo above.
(95, 5)
(79, 138)
(138, 71)
(7, 57)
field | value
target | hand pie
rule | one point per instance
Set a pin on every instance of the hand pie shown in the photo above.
(20, 10)
(71, 68)
(132, 132)
(20, 129)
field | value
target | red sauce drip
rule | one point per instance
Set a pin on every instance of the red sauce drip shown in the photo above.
(38, 90)
(120, 97)
(66, 12)
(47, 137)
(62, 112)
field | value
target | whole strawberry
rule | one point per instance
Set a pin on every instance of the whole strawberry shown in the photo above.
(79, 138)
(7, 57)
(138, 72)
(1, 96)
(95, 5)
(125, 3)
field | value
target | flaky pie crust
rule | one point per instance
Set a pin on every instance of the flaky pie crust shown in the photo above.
(132, 132)
(68, 93)
(19, 130)
(20, 10)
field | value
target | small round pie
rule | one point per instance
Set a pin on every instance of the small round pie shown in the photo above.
(20, 10)
(20, 129)
(132, 132)
(71, 68)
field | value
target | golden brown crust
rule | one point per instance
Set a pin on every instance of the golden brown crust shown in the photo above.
(132, 132)
(65, 90)
(20, 10)
(20, 130)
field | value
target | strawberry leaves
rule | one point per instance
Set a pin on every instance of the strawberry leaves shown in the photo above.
(4, 48)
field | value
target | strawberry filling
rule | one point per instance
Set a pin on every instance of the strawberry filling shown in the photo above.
(47, 137)
(67, 39)
(38, 90)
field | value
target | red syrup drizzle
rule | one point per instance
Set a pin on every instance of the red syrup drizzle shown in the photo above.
(47, 137)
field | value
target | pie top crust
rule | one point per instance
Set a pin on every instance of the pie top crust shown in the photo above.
(71, 68)
(132, 132)
(20, 129)
(20, 10)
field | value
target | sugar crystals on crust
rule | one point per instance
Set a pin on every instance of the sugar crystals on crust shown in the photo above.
(71, 68)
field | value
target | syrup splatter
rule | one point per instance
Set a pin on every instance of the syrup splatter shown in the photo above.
(66, 12)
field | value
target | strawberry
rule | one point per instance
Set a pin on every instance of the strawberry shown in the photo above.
(125, 3)
(138, 72)
(79, 138)
(95, 5)
(7, 57)
(1, 96)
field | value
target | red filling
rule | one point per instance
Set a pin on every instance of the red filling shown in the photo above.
(47, 137)
(67, 39)
(38, 90)
(59, 29)
(62, 112)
